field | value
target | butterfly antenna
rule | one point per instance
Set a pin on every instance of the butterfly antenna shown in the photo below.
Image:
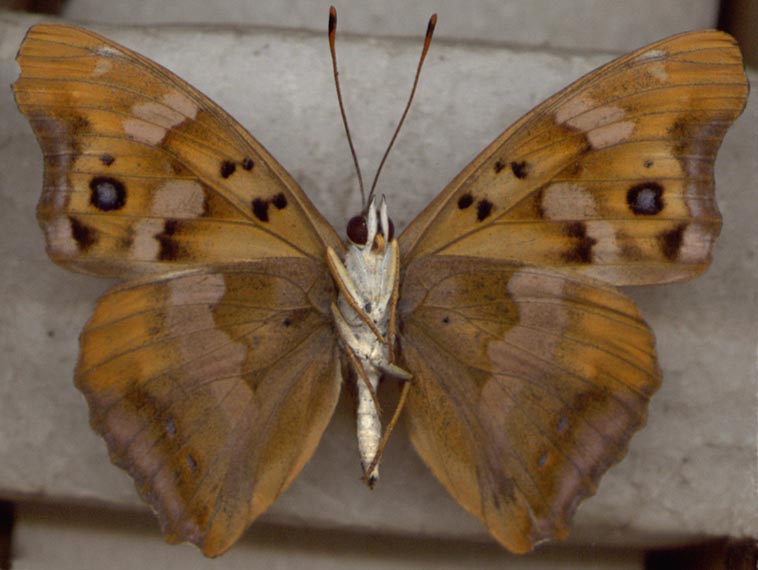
(332, 36)
(427, 42)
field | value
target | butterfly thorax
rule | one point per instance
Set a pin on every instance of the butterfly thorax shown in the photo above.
(367, 281)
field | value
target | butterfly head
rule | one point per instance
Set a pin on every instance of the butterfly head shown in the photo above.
(372, 227)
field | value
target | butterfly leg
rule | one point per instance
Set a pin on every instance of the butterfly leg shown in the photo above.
(368, 409)
(349, 291)
(391, 342)
(393, 298)
(390, 427)
(369, 427)
(348, 340)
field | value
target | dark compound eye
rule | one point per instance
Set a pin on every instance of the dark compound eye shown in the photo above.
(357, 230)
(390, 230)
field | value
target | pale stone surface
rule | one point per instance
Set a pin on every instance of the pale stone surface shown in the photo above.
(73, 539)
(585, 24)
(691, 473)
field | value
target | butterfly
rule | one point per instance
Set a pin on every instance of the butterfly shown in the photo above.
(214, 368)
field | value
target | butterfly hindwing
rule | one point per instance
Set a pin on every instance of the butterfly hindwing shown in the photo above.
(527, 386)
(212, 389)
(143, 173)
(612, 177)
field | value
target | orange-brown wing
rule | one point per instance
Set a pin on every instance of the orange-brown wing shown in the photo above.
(212, 389)
(527, 386)
(143, 173)
(612, 177)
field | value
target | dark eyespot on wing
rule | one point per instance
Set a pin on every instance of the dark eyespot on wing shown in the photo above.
(671, 241)
(84, 236)
(227, 168)
(247, 163)
(581, 252)
(520, 169)
(107, 159)
(465, 201)
(107, 193)
(645, 199)
(483, 209)
(499, 166)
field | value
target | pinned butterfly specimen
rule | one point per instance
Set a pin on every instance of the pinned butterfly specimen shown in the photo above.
(213, 370)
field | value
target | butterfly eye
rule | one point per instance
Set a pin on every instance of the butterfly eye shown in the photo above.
(357, 230)
(390, 230)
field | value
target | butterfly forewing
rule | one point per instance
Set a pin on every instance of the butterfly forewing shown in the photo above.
(212, 389)
(612, 177)
(527, 386)
(143, 172)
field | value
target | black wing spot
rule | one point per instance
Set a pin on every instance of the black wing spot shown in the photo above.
(260, 205)
(465, 201)
(520, 169)
(499, 166)
(227, 168)
(248, 163)
(583, 244)
(645, 199)
(279, 201)
(107, 193)
(260, 209)
(483, 209)
(84, 236)
(107, 159)
(287, 322)
(170, 249)
(671, 241)
(648, 163)
(446, 319)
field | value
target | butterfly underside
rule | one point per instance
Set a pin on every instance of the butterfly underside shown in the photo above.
(213, 372)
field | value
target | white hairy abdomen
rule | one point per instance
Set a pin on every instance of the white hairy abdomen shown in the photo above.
(369, 274)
